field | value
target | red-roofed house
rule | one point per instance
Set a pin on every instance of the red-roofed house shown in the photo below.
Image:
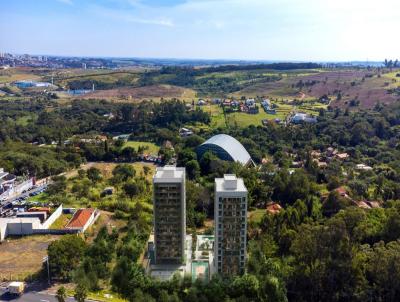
(342, 191)
(273, 208)
(82, 219)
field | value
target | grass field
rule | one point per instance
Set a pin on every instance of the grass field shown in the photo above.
(106, 169)
(242, 119)
(256, 215)
(61, 222)
(135, 94)
(12, 75)
(150, 147)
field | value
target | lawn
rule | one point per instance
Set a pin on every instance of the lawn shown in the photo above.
(256, 215)
(24, 120)
(150, 147)
(103, 296)
(61, 222)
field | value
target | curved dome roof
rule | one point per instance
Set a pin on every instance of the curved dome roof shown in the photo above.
(226, 147)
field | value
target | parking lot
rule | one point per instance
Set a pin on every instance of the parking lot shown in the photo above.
(6, 208)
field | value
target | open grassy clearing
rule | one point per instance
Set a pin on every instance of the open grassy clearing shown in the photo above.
(103, 78)
(17, 74)
(152, 92)
(61, 222)
(256, 215)
(21, 257)
(150, 148)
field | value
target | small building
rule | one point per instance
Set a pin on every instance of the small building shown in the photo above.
(82, 219)
(40, 209)
(7, 182)
(303, 118)
(30, 84)
(273, 208)
(296, 164)
(201, 102)
(184, 132)
(226, 103)
(342, 156)
(322, 164)
(363, 204)
(250, 102)
(363, 167)
(315, 154)
(342, 192)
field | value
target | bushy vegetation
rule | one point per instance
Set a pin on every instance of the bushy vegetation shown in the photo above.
(320, 247)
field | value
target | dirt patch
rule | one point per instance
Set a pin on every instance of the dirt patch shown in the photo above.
(363, 86)
(23, 256)
(141, 93)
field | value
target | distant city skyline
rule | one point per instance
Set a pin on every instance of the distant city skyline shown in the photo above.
(285, 30)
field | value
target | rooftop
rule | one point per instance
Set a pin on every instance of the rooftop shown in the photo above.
(229, 145)
(230, 183)
(169, 173)
(80, 218)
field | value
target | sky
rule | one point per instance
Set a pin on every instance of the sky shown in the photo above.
(301, 30)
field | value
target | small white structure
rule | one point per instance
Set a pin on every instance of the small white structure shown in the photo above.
(363, 167)
(201, 102)
(250, 102)
(26, 225)
(183, 132)
(300, 118)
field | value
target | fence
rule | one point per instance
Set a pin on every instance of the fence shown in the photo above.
(57, 213)
(55, 232)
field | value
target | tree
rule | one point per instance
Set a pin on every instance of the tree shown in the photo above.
(80, 293)
(58, 186)
(146, 170)
(64, 256)
(123, 172)
(193, 169)
(61, 294)
(131, 189)
(129, 153)
(94, 174)
(246, 285)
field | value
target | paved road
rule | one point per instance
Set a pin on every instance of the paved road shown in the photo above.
(30, 296)
(26, 194)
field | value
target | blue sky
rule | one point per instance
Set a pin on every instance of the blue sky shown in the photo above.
(307, 30)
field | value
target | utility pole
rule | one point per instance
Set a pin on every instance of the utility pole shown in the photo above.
(46, 259)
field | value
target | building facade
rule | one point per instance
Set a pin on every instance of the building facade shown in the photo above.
(230, 214)
(169, 201)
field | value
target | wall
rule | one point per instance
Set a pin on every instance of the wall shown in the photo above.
(57, 213)
(27, 226)
(91, 220)
(22, 226)
(3, 231)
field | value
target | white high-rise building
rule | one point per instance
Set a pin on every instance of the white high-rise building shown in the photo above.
(230, 216)
(169, 201)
